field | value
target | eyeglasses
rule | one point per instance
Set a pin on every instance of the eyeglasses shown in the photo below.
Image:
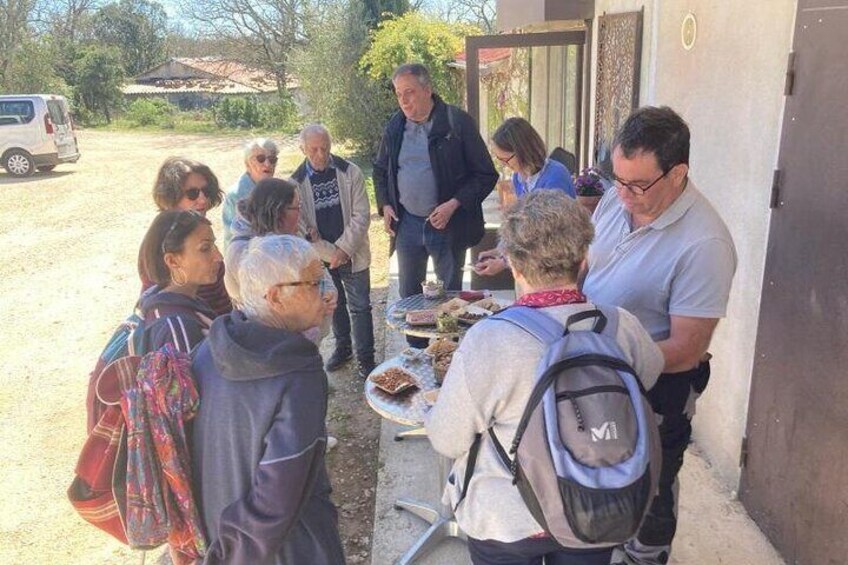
(270, 158)
(194, 193)
(505, 161)
(292, 207)
(322, 284)
(635, 188)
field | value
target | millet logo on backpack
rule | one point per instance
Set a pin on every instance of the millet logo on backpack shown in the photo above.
(607, 432)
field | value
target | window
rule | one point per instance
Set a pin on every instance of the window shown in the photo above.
(57, 112)
(16, 112)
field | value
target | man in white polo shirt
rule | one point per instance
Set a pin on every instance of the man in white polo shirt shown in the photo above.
(662, 252)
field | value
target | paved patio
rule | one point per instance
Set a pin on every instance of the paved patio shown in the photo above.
(713, 529)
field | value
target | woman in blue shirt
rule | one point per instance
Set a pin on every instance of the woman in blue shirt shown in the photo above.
(518, 146)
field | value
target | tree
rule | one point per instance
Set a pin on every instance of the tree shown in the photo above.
(14, 31)
(351, 104)
(100, 76)
(137, 28)
(32, 70)
(264, 31)
(417, 38)
(480, 13)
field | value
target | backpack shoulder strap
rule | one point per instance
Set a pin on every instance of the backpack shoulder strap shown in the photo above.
(536, 323)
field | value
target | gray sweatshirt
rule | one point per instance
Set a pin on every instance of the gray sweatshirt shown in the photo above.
(488, 384)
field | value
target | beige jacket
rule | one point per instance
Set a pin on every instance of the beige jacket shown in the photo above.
(356, 210)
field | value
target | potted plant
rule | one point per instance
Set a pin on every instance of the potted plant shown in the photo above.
(590, 188)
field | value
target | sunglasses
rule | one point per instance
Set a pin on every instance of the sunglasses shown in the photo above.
(194, 193)
(270, 158)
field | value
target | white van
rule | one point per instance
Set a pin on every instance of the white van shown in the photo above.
(36, 132)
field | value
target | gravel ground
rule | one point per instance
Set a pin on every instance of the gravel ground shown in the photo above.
(68, 276)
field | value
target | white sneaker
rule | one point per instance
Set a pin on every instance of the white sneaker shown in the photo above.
(331, 442)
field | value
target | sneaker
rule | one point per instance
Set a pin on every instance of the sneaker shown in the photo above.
(331, 442)
(338, 358)
(366, 368)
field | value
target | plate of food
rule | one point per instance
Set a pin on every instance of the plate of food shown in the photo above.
(421, 317)
(441, 346)
(452, 306)
(491, 304)
(469, 318)
(393, 380)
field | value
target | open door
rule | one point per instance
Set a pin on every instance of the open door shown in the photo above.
(537, 76)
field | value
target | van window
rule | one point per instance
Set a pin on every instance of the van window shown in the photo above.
(57, 112)
(16, 112)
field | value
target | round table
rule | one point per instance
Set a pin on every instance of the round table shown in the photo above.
(408, 408)
(418, 302)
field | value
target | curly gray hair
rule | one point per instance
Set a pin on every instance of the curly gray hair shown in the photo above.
(546, 236)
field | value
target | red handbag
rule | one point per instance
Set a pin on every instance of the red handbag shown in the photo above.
(98, 491)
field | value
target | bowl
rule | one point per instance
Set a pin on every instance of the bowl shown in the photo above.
(433, 289)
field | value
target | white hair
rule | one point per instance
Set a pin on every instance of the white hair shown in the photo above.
(259, 143)
(271, 260)
(314, 129)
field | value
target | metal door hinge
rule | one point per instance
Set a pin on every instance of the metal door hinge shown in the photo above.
(789, 85)
(774, 200)
(743, 452)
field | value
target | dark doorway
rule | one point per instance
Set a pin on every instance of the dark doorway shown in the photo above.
(795, 479)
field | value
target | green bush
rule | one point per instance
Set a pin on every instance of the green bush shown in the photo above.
(237, 112)
(280, 115)
(247, 112)
(151, 112)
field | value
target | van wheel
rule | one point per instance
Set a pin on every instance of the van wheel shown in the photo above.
(46, 168)
(18, 163)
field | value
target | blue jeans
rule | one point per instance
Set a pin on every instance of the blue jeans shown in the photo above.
(533, 551)
(354, 304)
(416, 241)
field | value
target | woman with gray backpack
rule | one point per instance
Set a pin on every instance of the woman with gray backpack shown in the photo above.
(543, 408)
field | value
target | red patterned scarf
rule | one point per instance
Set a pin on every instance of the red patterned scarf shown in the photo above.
(545, 298)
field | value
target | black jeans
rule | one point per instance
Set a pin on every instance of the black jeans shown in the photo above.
(533, 551)
(668, 398)
(354, 304)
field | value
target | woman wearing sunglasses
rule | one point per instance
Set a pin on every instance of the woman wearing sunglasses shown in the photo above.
(260, 162)
(185, 184)
(518, 146)
(180, 256)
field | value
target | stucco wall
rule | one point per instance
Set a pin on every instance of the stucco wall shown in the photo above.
(729, 88)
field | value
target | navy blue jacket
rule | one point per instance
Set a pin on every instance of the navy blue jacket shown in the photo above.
(461, 164)
(258, 447)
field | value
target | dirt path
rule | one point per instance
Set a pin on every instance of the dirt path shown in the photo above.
(68, 276)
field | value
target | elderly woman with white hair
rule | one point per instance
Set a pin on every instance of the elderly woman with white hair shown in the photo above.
(260, 162)
(546, 237)
(259, 438)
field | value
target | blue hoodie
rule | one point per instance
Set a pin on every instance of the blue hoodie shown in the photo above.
(258, 447)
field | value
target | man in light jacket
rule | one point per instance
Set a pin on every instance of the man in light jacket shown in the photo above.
(335, 215)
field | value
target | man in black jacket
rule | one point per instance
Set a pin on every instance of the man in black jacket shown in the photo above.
(431, 175)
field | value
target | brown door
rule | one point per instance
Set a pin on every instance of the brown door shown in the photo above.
(795, 481)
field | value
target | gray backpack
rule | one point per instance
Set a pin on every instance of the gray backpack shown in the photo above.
(586, 455)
